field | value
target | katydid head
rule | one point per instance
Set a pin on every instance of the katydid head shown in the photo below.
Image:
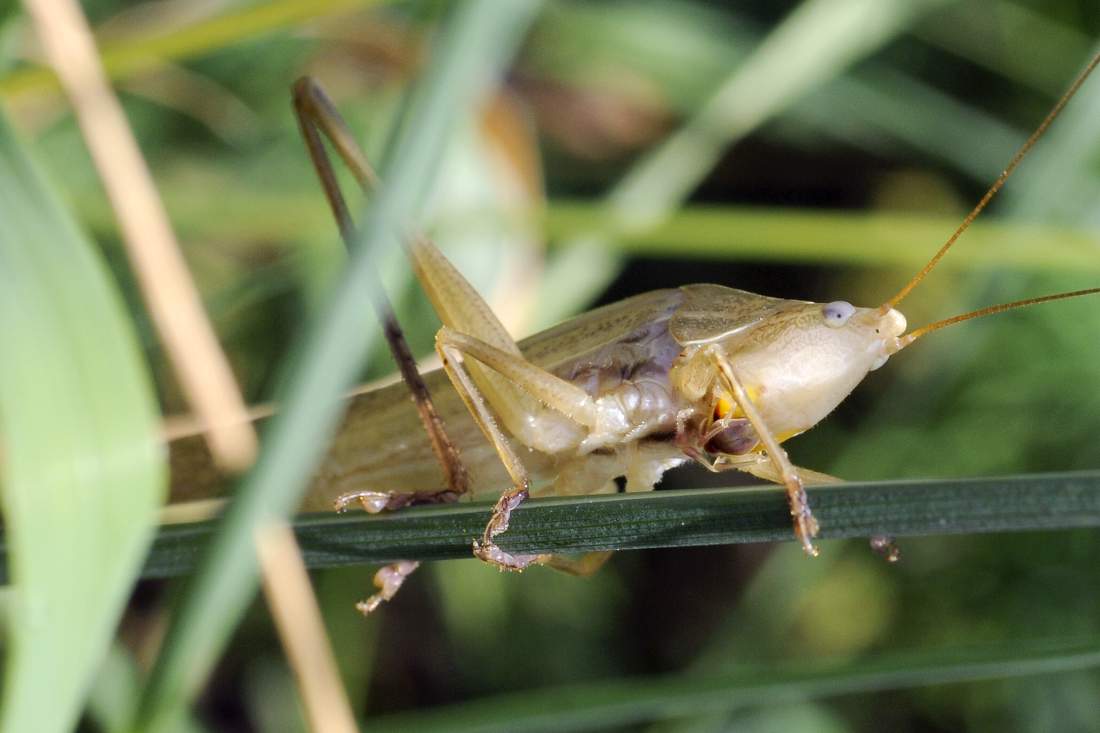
(879, 329)
(802, 361)
(799, 360)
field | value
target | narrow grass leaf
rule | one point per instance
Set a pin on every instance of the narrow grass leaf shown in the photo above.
(839, 238)
(680, 518)
(788, 234)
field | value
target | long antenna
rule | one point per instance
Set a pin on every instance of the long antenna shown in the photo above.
(987, 311)
(997, 185)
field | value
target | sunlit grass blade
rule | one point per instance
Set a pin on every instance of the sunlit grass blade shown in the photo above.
(767, 234)
(839, 238)
(679, 519)
(619, 702)
(147, 51)
(82, 467)
(470, 49)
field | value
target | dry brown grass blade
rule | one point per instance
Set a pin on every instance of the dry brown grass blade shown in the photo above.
(298, 620)
(169, 292)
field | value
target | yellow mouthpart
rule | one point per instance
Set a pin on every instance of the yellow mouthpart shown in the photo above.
(727, 407)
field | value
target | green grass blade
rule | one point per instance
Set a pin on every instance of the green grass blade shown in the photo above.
(83, 471)
(470, 50)
(622, 702)
(759, 233)
(839, 238)
(864, 107)
(679, 519)
(125, 58)
(116, 691)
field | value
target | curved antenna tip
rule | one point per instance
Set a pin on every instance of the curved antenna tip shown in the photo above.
(998, 184)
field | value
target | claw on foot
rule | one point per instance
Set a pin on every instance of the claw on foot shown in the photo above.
(502, 514)
(806, 539)
(486, 548)
(388, 581)
(373, 502)
(805, 525)
(489, 552)
(884, 545)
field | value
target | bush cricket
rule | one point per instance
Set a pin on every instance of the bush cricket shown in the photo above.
(701, 373)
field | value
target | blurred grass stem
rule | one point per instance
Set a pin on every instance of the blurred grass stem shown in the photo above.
(169, 292)
(298, 620)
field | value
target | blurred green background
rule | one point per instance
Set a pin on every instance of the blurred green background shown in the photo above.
(819, 151)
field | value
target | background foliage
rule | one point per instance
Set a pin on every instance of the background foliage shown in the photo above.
(819, 151)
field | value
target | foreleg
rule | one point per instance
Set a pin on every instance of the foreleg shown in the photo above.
(805, 525)
(763, 467)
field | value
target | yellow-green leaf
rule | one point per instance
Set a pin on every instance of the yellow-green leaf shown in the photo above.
(82, 471)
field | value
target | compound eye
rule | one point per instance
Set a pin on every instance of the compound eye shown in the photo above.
(837, 313)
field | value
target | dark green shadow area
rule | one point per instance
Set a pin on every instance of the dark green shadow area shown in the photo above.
(623, 701)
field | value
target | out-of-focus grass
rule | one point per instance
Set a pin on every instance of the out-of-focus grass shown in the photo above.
(628, 701)
(477, 41)
(860, 176)
(82, 475)
(133, 56)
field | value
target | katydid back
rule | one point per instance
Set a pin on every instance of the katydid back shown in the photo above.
(723, 377)
(702, 372)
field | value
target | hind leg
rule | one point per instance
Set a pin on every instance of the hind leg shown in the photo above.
(318, 117)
